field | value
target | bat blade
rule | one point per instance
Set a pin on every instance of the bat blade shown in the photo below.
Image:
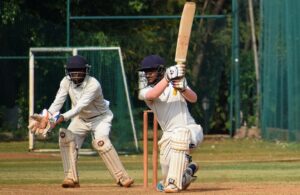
(184, 32)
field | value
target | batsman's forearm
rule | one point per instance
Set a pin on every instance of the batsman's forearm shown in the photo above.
(157, 90)
(190, 95)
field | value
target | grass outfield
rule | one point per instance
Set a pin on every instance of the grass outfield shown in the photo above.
(222, 161)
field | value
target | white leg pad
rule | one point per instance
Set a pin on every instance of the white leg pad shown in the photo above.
(179, 149)
(68, 153)
(111, 159)
(165, 156)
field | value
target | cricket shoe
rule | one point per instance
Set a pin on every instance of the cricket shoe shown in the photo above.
(70, 183)
(126, 182)
(171, 188)
(160, 186)
(189, 175)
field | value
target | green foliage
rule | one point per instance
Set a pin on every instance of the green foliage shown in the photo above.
(136, 5)
(9, 12)
(22, 101)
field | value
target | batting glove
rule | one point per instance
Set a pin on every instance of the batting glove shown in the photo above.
(174, 72)
(142, 80)
(180, 84)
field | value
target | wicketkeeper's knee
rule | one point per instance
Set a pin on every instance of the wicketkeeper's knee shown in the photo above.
(66, 136)
(102, 144)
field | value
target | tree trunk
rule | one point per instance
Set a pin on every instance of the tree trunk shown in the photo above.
(205, 39)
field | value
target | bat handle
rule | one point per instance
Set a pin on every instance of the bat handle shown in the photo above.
(174, 91)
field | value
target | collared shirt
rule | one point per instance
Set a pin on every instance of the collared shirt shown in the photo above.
(87, 99)
(171, 110)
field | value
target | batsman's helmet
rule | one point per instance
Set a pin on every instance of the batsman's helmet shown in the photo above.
(77, 68)
(153, 63)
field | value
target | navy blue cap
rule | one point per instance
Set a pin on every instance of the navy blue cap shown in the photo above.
(76, 62)
(151, 62)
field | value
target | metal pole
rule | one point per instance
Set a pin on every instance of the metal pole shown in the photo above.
(235, 62)
(206, 122)
(31, 97)
(254, 47)
(142, 17)
(68, 23)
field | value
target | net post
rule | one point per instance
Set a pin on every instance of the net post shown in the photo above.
(31, 97)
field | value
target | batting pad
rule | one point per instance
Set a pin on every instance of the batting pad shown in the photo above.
(68, 153)
(165, 156)
(111, 159)
(179, 149)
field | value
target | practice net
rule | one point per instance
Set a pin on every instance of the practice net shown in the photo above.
(280, 111)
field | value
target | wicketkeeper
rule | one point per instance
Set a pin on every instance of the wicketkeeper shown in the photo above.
(180, 132)
(90, 112)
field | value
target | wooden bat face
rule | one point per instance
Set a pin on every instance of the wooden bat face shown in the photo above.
(184, 32)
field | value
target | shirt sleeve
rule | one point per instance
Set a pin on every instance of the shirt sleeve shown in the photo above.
(60, 97)
(142, 93)
(90, 93)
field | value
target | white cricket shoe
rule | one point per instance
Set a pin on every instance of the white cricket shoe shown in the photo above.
(171, 188)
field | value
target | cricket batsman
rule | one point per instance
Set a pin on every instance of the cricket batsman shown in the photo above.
(90, 112)
(180, 132)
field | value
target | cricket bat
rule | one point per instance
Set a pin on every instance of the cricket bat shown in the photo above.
(184, 33)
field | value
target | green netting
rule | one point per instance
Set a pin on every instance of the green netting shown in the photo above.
(280, 70)
(106, 67)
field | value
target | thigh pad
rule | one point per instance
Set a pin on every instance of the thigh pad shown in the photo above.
(180, 139)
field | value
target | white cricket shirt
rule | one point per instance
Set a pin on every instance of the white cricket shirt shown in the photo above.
(87, 99)
(171, 110)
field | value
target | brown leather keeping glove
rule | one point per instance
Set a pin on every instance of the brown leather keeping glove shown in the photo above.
(38, 123)
(42, 124)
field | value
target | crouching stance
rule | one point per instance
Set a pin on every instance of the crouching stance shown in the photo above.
(69, 154)
(90, 113)
(180, 132)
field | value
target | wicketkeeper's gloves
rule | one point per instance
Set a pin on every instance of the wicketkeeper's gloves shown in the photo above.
(42, 124)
